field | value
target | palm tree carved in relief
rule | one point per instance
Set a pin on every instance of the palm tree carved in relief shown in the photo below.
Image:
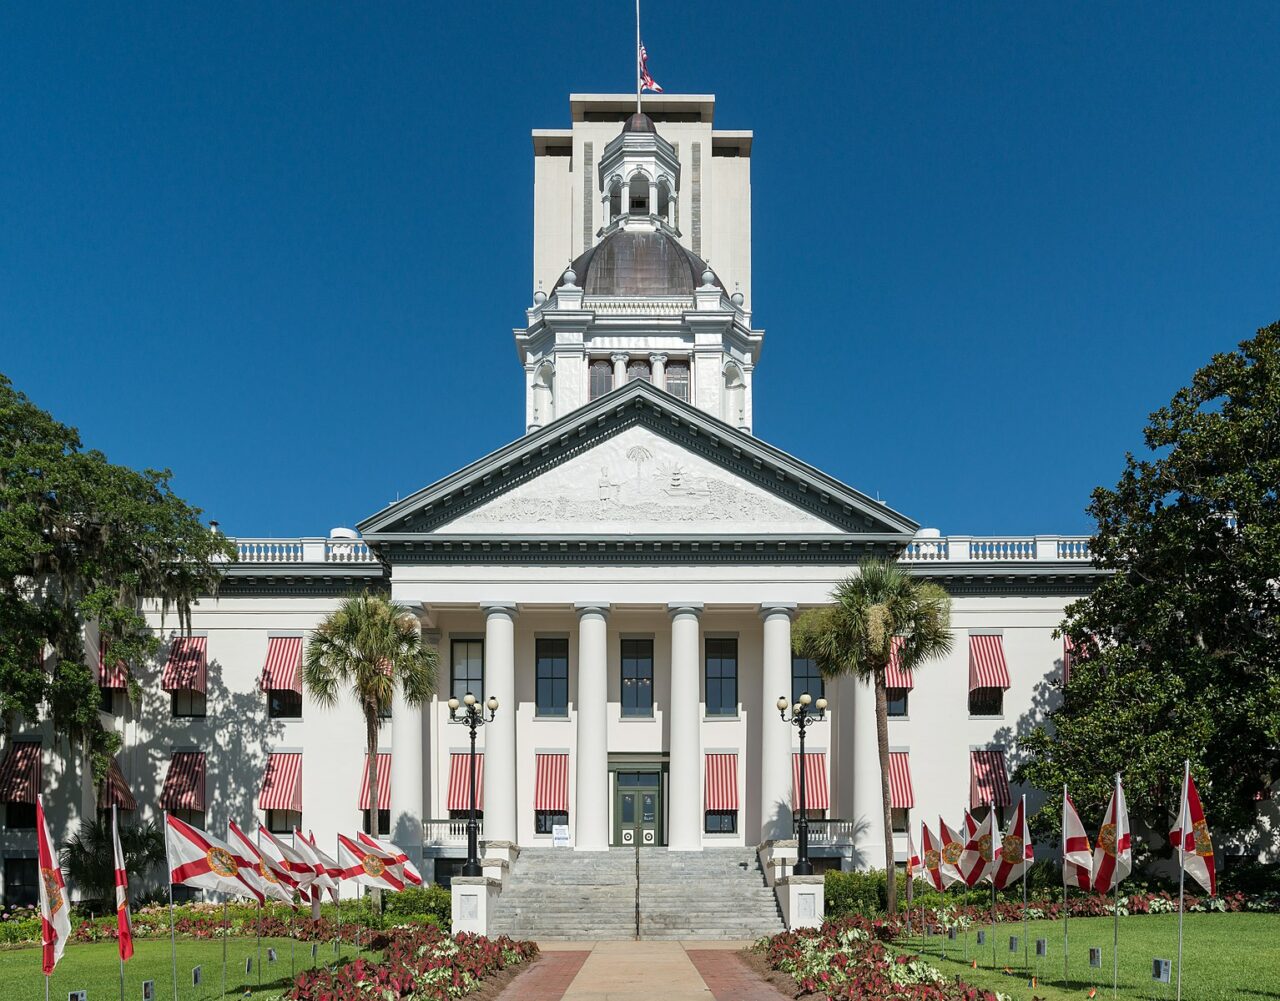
(639, 455)
(871, 612)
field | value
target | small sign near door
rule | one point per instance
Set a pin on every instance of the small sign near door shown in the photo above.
(560, 835)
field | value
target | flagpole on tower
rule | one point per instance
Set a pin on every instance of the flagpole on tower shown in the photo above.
(638, 74)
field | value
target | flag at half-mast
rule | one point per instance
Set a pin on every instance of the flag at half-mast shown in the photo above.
(55, 911)
(197, 858)
(253, 869)
(366, 865)
(938, 875)
(1190, 835)
(407, 868)
(976, 860)
(1016, 849)
(1113, 851)
(1077, 856)
(124, 923)
(646, 81)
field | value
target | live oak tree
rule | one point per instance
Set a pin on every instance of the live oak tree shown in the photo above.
(855, 636)
(1178, 648)
(84, 541)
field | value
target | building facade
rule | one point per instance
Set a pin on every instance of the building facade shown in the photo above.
(622, 577)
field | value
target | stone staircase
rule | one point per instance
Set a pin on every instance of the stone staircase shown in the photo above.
(558, 894)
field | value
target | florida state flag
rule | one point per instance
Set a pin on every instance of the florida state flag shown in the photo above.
(951, 849)
(55, 914)
(411, 874)
(976, 861)
(1016, 850)
(124, 924)
(1113, 852)
(288, 864)
(331, 868)
(322, 881)
(367, 865)
(1077, 856)
(938, 873)
(1190, 836)
(197, 858)
(913, 860)
(253, 870)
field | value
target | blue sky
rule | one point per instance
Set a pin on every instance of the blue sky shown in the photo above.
(279, 248)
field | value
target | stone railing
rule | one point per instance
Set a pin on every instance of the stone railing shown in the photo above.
(998, 549)
(254, 552)
(832, 832)
(448, 831)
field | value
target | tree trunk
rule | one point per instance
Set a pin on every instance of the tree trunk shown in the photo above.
(882, 740)
(371, 824)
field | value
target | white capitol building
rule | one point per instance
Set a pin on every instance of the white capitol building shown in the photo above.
(622, 577)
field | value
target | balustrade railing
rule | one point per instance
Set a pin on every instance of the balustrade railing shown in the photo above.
(831, 832)
(447, 831)
(998, 549)
(259, 551)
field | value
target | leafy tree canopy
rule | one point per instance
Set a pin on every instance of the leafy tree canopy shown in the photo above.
(84, 540)
(1178, 650)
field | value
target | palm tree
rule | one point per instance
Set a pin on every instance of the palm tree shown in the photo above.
(368, 647)
(855, 635)
(89, 856)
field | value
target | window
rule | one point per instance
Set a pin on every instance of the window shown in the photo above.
(805, 677)
(722, 677)
(544, 820)
(467, 669)
(601, 378)
(20, 816)
(384, 712)
(552, 676)
(20, 882)
(986, 702)
(639, 370)
(465, 814)
(980, 814)
(193, 817)
(108, 703)
(191, 704)
(637, 678)
(283, 821)
(446, 869)
(384, 821)
(721, 822)
(284, 703)
(898, 701)
(677, 379)
(901, 820)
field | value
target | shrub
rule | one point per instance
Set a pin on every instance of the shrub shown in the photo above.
(430, 902)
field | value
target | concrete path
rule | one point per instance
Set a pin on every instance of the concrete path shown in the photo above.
(641, 971)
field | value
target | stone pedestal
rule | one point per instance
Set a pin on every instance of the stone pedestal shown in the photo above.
(473, 899)
(802, 901)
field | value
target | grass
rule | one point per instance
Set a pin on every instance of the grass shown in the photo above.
(1225, 956)
(95, 967)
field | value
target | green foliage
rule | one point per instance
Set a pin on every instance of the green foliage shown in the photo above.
(433, 902)
(89, 856)
(83, 540)
(1179, 647)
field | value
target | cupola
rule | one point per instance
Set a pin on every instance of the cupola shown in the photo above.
(639, 178)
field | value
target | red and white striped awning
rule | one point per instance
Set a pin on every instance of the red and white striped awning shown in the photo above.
(987, 668)
(551, 790)
(894, 674)
(384, 782)
(282, 783)
(115, 790)
(901, 794)
(187, 667)
(460, 782)
(283, 668)
(184, 783)
(988, 781)
(110, 675)
(20, 773)
(816, 794)
(722, 782)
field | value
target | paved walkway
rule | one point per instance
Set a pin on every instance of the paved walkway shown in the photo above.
(641, 971)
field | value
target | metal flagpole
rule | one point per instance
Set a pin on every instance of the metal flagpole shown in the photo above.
(1026, 946)
(337, 849)
(115, 833)
(173, 935)
(1064, 889)
(261, 903)
(991, 863)
(1182, 862)
(224, 946)
(637, 57)
(292, 940)
(1115, 927)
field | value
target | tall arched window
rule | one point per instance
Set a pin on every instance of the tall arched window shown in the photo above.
(544, 394)
(735, 395)
(601, 376)
(638, 195)
(665, 202)
(639, 370)
(615, 198)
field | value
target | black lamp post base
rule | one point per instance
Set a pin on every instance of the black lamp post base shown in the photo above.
(802, 868)
(470, 868)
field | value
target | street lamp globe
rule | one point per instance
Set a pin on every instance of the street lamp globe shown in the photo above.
(782, 703)
(805, 699)
(492, 704)
(453, 705)
(822, 705)
(469, 699)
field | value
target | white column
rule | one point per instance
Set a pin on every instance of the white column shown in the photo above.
(868, 801)
(619, 359)
(658, 369)
(684, 799)
(406, 776)
(591, 804)
(775, 735)
(500, 735)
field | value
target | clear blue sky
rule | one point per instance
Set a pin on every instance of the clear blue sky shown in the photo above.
(279, 248)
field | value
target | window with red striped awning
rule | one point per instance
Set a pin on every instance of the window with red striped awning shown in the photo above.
(816, 794)
(384, 781)
(20, 773)
(282, 783)
(988, 780)
(551, 790)
(283, 667)
(902, 796)
(184, 783)
(722, 782)
(115, 790)
(894, 674)
(186, 670)
(110, 675)
(460, 779)
(987, 667)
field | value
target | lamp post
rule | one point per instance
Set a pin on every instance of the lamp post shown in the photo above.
(802, 717)
(472, 717)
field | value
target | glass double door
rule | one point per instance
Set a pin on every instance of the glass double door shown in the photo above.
(637, 807)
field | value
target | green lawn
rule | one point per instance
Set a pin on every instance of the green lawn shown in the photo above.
(1226, 956)
(95, 967)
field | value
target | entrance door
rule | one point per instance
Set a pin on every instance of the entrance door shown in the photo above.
(637, 807)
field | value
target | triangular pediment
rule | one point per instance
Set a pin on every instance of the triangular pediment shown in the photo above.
(638, 462)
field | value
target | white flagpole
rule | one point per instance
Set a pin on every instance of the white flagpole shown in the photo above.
(338, 904)
(1026, 946)
(224, 946)
(1065, 940)
(1182, 863)
(991, 863)
(261, 904)
(115, 837)
(638, 82)
(173, 935)
(1115, 926)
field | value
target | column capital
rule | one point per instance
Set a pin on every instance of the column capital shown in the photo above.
(658, 357)
(587, 607)
(768, 608)
(507, 608)
(675, 608)
(620, 357)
